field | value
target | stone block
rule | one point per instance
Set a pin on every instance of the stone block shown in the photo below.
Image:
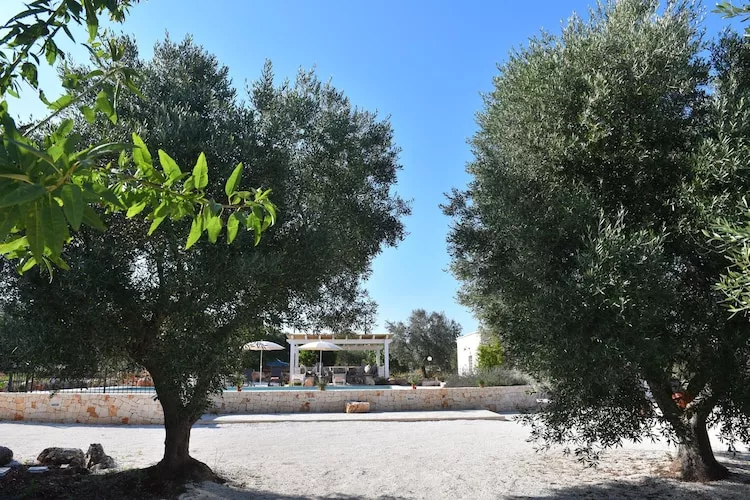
(357, 407)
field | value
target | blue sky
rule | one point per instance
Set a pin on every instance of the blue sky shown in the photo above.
(423, 63)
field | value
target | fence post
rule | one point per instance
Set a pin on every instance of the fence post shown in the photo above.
(105, 382)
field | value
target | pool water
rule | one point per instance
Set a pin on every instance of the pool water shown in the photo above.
(132, 390)
(315, 388)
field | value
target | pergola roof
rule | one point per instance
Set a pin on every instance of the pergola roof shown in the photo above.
(357, 342)
(337, 337)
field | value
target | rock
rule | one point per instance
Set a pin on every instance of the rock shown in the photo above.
(96, 459)
(14, 464)
(6, 455)
(357, 407)
(60, 456)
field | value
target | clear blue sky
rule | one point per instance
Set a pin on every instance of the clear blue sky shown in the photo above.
(423, 63)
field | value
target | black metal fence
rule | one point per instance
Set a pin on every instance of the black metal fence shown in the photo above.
(102, 382)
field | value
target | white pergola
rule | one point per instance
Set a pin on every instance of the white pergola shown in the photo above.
(362, 342)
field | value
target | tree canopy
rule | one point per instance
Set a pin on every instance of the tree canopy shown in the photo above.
(602, 155)
(52, 184)
(183, 315)
(422, 336)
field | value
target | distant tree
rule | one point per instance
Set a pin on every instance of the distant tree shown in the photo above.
(424, 335)
(602, 153)
(490, 354)
(184, 315)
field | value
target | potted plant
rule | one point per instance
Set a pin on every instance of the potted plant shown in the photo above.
(480, 382)
(414, 380)
(239, 381)
(322, 385)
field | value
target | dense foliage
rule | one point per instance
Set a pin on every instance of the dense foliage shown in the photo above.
(602, 156)
(490, 354)
(51, 183)
(183, 315)
(424, 336)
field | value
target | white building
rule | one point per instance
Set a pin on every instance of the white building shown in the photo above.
(468, 345)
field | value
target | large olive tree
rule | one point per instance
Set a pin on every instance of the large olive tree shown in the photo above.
(596, 170)
(183, 315)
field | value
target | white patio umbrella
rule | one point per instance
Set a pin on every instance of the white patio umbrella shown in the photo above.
(320, 345)
(262, 345)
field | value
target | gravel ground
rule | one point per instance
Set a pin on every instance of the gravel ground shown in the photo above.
(398, 460)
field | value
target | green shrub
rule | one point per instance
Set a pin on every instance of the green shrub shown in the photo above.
(490, 355)
(492, 377)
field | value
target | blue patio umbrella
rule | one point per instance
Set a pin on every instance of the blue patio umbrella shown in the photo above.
(277, 362)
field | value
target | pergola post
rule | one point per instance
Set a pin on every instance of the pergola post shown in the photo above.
(386, 360)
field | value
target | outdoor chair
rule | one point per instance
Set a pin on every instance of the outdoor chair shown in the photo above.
(276, 376)
(339, 376)
(299, 376)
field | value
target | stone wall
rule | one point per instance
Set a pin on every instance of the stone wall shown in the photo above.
(143, 409)
(81, 408)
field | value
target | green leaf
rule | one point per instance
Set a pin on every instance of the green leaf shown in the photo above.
(55, 228)
(25, 265)
(170, 167)
(104, 104)
(59, 262)
(8, 219)
(35, 229)
(135, 209)
(88, 113)
(155, 224)
(213, 227)
(29, 73)
(200, 172)
(24, 193)
(106, 195)
(143, 153)
(65, 128)
(189, 185)
(50, 52)
(91, 21)
(72, 204)
(62, 102)
(144, 161)
(233, 225)
(196, 229)
(233, 181)
(14, 245)
(91, 218)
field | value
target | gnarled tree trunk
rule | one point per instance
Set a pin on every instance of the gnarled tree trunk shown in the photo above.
(695, 458)
(177, 464)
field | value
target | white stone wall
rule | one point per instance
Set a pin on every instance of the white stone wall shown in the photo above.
(467, 347)
(142, 409)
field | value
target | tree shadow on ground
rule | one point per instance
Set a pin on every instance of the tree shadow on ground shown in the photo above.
(225, 492)
(658, 487)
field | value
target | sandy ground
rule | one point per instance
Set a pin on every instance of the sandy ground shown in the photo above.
(395, 460)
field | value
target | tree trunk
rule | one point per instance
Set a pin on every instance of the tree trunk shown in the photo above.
(695, 458)
(177, 464)
(424, 371)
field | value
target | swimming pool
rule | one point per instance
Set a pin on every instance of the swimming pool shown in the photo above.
(125, 389)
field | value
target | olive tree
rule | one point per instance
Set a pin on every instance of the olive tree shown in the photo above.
(424, 336)
(596, 167)
(184, 314)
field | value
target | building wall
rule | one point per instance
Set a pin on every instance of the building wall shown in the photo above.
(467, 347)
(139, 409)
